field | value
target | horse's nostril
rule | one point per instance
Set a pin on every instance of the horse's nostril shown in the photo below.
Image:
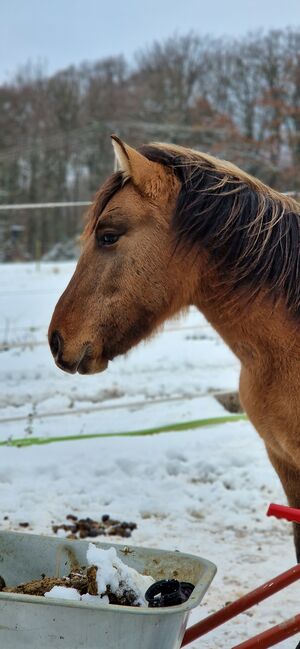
(56, 343)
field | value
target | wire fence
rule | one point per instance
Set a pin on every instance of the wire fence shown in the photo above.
(54, 177)
(33, 415)
(101, 408)
(27, 232)
(27, 343)
(42, 206)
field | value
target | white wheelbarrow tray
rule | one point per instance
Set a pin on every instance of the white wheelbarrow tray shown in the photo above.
(40, 623)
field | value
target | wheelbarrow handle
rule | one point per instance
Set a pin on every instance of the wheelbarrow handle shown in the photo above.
(281, 511)
(272, 636)
(242, 604)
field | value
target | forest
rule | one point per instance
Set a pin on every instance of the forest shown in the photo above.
(238, 99)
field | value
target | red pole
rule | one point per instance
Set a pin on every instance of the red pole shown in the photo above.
(281, 511)
(239, 606)
(272, 636)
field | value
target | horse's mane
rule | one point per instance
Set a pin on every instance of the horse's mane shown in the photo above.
(251, 231)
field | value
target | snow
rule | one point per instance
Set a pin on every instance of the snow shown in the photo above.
(113, 572)
(62, 592)
(202, 491)
(94, 599)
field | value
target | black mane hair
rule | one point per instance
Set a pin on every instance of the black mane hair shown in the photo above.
(251, 232)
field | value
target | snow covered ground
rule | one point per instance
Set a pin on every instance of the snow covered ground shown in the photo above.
(203, 491)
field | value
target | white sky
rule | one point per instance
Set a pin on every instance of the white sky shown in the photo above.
(57, 33)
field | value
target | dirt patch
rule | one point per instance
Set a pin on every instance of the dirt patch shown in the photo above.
(87, 527)
(43, 585)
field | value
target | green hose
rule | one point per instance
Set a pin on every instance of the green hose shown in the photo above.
(170, 428)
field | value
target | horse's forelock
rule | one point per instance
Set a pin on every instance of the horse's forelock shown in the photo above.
(111, 186)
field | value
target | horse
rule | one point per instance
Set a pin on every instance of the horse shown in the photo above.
(173, 227)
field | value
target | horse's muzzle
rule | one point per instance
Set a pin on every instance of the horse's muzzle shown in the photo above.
(85, 361)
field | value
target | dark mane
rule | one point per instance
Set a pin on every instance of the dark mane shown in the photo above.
(251, 231)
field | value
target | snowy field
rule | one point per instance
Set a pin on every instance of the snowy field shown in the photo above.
(203, 491)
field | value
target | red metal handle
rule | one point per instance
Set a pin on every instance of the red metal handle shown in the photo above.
(281, 511)
(239, 606)
(272, 636)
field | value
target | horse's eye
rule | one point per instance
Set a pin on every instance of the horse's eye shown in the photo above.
(108, 239)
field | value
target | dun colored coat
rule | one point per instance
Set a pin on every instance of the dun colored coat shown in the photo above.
(173, 228)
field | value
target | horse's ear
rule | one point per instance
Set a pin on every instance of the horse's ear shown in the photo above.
(136, 166)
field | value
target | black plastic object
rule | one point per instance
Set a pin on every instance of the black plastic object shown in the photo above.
(168, 592)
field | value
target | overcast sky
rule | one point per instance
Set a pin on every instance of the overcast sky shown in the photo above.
(57, 33)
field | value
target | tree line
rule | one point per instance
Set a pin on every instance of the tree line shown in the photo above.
(238, 99)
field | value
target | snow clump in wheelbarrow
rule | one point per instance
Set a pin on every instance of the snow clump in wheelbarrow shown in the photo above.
(110, 581)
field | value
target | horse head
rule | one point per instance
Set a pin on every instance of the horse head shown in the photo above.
(129, 278)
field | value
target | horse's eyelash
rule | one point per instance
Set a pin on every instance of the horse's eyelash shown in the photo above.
(101, 231)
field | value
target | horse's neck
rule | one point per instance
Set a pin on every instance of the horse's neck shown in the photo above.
(257, 332)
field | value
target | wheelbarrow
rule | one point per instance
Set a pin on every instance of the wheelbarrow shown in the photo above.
(36, 622)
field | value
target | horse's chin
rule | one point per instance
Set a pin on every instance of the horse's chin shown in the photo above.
(92, 366)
